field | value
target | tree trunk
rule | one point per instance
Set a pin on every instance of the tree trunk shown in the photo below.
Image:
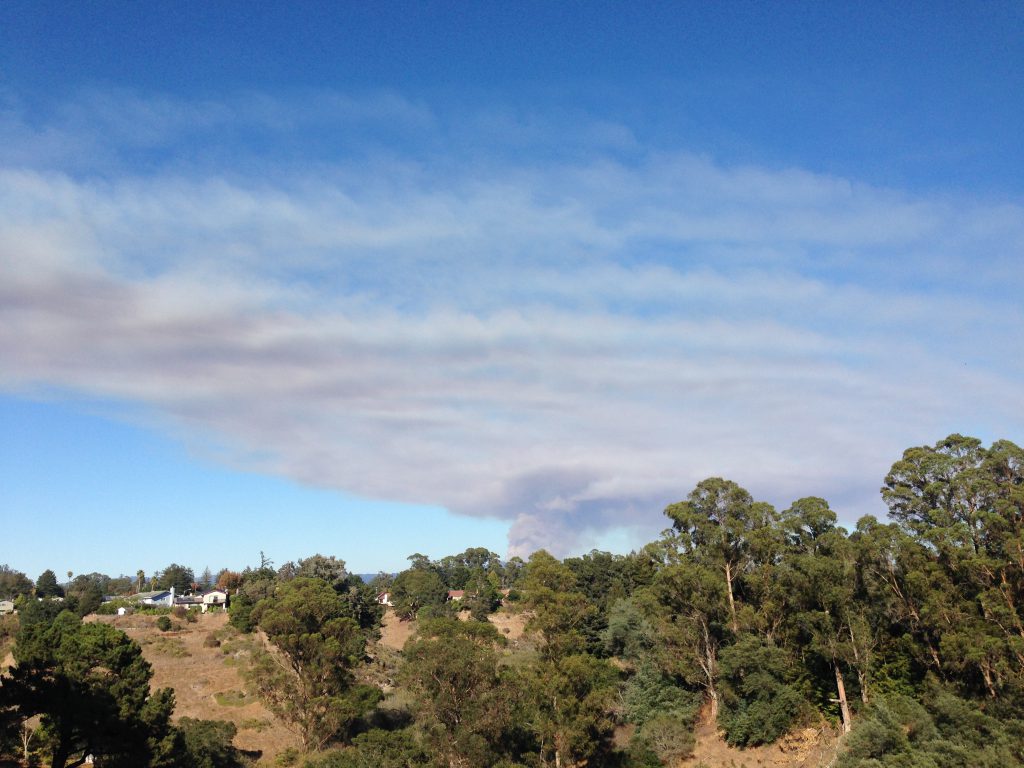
(844, 706)
(862, 677)
(60, 757)
(27, 732)
(709, 665)
(732, 602)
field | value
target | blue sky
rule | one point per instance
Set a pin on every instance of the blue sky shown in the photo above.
(371, 279)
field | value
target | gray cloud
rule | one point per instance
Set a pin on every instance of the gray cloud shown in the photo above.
(567, 348)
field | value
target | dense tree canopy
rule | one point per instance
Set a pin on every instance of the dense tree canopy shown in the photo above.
(906, 634)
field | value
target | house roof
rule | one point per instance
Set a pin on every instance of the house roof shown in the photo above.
(150, 595)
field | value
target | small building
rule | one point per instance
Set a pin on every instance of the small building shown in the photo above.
(456, 594)
(215, 598)
(6, 606)
(384, 598)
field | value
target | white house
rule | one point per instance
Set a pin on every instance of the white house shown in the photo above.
(384, 598)
(6, 606)
(215, 598)
(159, 597)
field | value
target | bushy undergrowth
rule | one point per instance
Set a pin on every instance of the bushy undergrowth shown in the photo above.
(941, 731)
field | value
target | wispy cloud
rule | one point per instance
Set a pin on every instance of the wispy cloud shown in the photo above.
(567, 345)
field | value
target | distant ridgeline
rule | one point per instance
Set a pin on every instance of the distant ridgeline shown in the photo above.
(903, 639)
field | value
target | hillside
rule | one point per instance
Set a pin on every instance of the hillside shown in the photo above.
(207, 684)
(206, 680)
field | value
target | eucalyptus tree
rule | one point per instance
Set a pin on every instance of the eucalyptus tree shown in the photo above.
(820, 573)
(722, 527)
(965, 505)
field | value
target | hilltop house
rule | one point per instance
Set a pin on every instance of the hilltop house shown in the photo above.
(156, 597)
(215, 598)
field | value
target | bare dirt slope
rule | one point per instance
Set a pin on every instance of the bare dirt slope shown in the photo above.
(808, 748)
(206, 680)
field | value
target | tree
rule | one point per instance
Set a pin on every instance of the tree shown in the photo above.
(309, 682)
(561, 614)
(690, 625)
(417, 588)
(329, 569)
(208, 743)
(206, 579)
(228, 580)
(820, 574)
(177, 576)
(760, 700)
(724, 527)
(85, 595)
(47, 586)
(452, 671)
(13, 584)
(965, 504)
(567, 708)
(91, 685)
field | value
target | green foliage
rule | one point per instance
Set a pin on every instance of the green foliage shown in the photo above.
(376, 749)
(208, 743)
(572, 697)
(629, 634)
(163, 623)
(562, 615)
(361, 604)
(944, 732)
(319, 643)
(47, 586)
(13, 584)
(178, 576)
(85, 594)
(760, 699)
(650, 693)
(32, 611)
(91, 686)
(451, 669)
(417, 588)
(329, 569)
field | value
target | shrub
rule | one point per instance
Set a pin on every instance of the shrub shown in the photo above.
(163, 623)
(231, 698)
(760, 699)
(208, 743)
(210, 641)
(897, 731)
(669, 737)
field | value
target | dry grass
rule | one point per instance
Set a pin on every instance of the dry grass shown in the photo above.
(394, 631)
(204, 685)
(807, 748)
